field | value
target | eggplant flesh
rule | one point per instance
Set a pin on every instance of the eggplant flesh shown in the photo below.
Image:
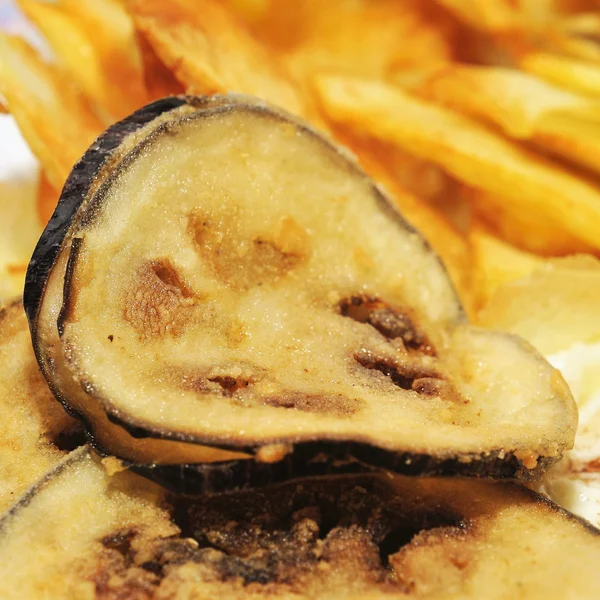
(221, 283)
(376, 536)
(35, 431)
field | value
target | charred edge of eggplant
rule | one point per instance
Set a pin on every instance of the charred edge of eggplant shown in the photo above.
(73, 457)
(212, 478)
(313, 459)
(498, 464)
(73, 194)
(65, 308)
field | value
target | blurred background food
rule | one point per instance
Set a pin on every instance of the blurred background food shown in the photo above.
(480, 117)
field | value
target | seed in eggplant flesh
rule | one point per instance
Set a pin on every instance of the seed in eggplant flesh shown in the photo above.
(221, 283)
(375, 536)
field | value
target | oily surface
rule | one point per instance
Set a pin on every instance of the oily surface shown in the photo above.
(283, 292)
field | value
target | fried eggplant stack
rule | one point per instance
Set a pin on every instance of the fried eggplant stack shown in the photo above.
(232, 308)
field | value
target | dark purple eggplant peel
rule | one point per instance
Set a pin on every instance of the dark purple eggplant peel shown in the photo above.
(223, 293)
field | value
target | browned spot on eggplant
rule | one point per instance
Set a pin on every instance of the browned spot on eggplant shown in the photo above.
(421, 378)
(337, 405)
(430, 386)
(230, 385)
(119, 541)
(402, 374)
(167, 273)
(159, 302)
(390, 322)
(223, 380)
(592, 467)
(297, 534)
(244, 263)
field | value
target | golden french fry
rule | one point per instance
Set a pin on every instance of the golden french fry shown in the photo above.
(159, 80)
(47, 198)
(52, 113)
(577, 36)
(554, 307)
(469, 152)
(362, 38)
(495, 16)
(563, 71)
(523, 106)
(95, 42)
(496, 263)
(530, 231)
(209, 51)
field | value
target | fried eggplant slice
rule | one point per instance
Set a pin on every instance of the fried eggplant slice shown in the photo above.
(35, 431)
(374, 536)
(220, 282)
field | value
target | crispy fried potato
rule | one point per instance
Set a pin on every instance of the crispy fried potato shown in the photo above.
(209, 51)
(469, 152)
(524, 107)
(326, 39)
(95, 42)
(496, 16)
(52, 113)
(577, 75)
(578, 36)
(554, 307)
(533, 232)
(496, 263)
(159, 80)
(47, 198)
(501, 16)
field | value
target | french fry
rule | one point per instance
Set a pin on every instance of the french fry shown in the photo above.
(159, 80)
(47, 198)
(496, 263)
(523, 106)
(532, 232)
(496, 16)
(577, 36)
(563, 71)
(52, 113)
(328, 37)
(469, 152)
(95, 42)
(209, 51)
(554, 307)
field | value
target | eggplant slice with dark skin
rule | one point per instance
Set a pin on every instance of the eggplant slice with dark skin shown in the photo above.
(35, 431)
(220, 284)
(351, 536)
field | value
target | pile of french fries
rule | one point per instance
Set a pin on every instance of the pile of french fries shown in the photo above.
(481, 118)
